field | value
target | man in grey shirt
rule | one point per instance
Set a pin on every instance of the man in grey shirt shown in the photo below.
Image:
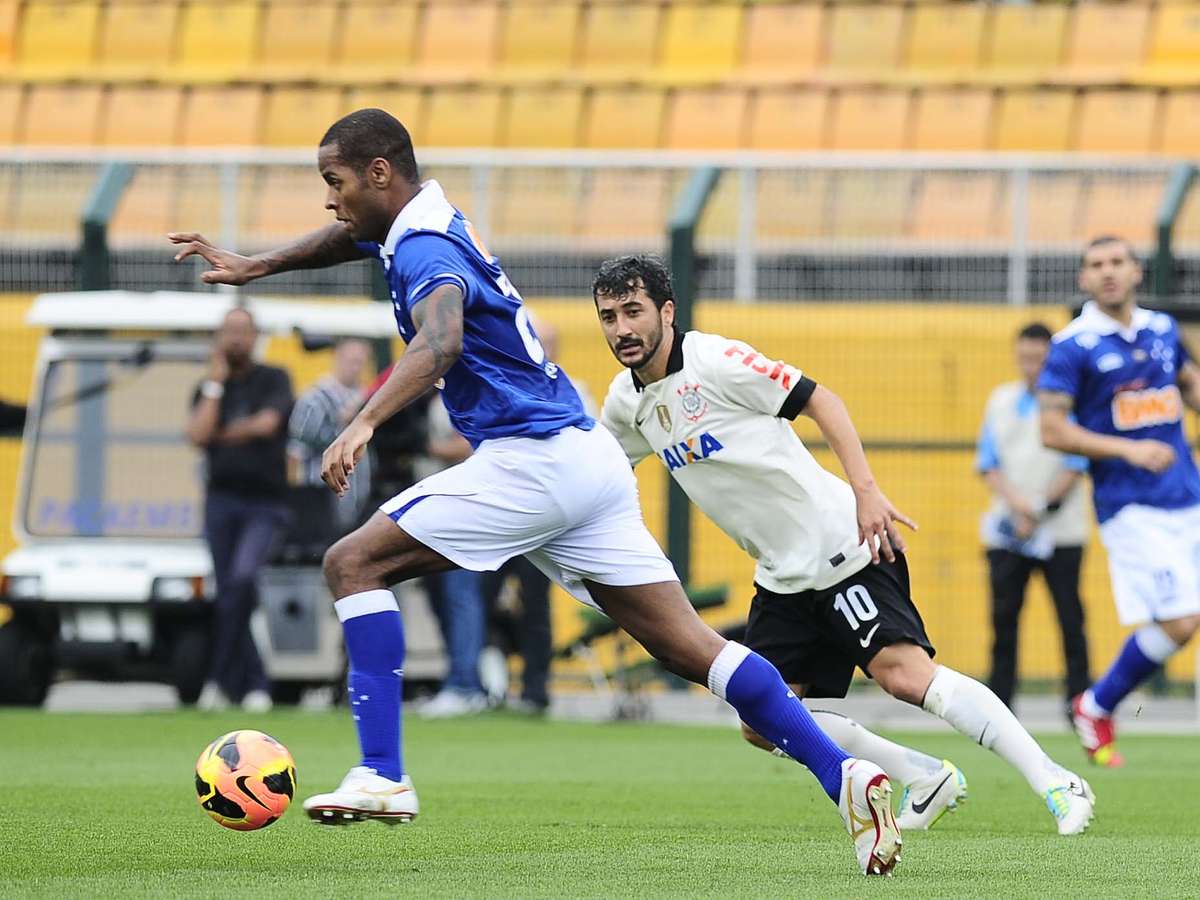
(1037, 520)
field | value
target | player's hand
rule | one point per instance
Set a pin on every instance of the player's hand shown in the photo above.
(1153, 455)
(343, 455)
(227, 267)
(877, 520)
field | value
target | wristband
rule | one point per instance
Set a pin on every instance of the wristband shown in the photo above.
(212, 389)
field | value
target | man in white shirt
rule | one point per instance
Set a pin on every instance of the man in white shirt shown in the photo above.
(832, 588)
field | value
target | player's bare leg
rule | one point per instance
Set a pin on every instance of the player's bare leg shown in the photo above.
(660, 618)
(359, 568)
(905, 671)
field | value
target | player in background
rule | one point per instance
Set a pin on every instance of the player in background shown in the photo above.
(1126, 375)
(832, 587)
(543, 481)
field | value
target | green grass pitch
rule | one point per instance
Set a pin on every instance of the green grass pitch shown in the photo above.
(104, 806)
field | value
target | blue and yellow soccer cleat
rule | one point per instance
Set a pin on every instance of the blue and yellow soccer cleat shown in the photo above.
(1072, 804)
(927, 799)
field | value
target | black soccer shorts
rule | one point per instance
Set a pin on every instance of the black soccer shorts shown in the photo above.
(817, 637)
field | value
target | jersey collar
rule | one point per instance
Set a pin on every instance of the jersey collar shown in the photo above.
(428, 210)
(1099, 322)
(674, 361)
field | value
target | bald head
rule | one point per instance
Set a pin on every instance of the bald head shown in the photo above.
(236, 337)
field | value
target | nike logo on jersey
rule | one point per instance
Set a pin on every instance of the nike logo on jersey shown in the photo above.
(692, 450)
(919, 808)
(866, 642)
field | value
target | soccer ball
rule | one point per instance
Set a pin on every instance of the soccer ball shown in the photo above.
(245, 780)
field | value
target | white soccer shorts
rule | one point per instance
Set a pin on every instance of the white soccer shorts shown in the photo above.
(1154, 561)
(567, 502)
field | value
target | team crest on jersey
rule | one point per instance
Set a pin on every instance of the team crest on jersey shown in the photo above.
(694, 405)
(1142, 409)
(692, 450)
(664, 416)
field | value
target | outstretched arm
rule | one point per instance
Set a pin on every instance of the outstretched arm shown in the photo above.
(327, 246)
(435, 347)
(1060, 433)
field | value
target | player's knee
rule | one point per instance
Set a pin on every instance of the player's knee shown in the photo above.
(340, 563)
(1181, 631)
(903, 681)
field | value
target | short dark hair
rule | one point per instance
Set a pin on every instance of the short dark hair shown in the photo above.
(623, 275)
(1035, 331)
(368, 134)
(1102, 239)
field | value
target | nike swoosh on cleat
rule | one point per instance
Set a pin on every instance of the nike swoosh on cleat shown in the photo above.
(866, 642)
(919, 808)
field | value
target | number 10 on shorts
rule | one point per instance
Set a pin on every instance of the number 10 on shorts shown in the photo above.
(856, 605)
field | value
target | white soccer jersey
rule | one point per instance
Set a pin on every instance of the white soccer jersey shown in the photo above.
(715, 422)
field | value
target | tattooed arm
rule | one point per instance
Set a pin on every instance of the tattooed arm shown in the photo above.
(436, 347)
(326, 246)
(1060, 433)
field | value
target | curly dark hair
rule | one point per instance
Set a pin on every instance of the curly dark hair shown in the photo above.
(623, 275)
(368, 134)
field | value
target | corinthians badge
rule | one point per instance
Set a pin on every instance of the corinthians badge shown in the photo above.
(694, 406)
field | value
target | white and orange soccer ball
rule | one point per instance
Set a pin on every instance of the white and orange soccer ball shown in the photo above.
(245, 780)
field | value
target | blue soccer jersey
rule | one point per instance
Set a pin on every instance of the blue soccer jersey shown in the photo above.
(503, 385)
(1123, 382)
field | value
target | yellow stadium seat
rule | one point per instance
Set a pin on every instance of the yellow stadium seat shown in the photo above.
(1174, 46)
(218, 39)
(9, 19)
(700, 41)
(864, 40)
(1118, 121)
(619, 40)
(1181, 124)
(1107, 42)
(960, 207)
(531, 204)
(543, 117)
(625, 118)
(945, 40)
(1034, 120)
(223, 116)
(539, 37)
(146, 209)
(298, 39)
(459, 39)
(1055, 210)
(1124, 206)
(378, 41)
(791, 205)
(11, 96)
(1025, 41)
(870, 205)
(137, 38)
(952, 119)
(624, 207)
(405, 103)
(62, 115)
(58, 37)
(286, 201)
(706, 119)
(299, 116)
(782, 42)
(142, 116)
(463, 117)
(870, 119)
(788, 119)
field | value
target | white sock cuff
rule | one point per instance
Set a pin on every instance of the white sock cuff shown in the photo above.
(723, 667)
(1155, 643)
(366, 603)
(940, 692)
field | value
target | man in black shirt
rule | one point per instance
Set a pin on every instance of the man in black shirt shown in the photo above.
(239, 418)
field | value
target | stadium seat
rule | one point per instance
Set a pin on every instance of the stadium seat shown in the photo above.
(142, 116)
(223, 116)
(1034, 120)
(58, 38)
(788, 119)
(1117, 121)
(1181, 124)
(534, 204)
(864, 40)
(870, 119)
(1106, 43)
(1174, 46)
(706, 119)
(299, 116)
(1055, 210)
(377, 41)
(619, 40)
(297, 39)
(218, 40)
(9, 20)
(960, 208)
(1025, 42)
(286, 201)
(624, 118)
(945, 41)
(543, 117)
(137, 39)
(405, 103)
(459, 39)
(791, 205)
(463, 117)
(952, 119)
(62, 115)
(782, 42)
(1123, 205)
(700, 41)
(869, 205)
(626, 207)
(11, 96)
(538, 38)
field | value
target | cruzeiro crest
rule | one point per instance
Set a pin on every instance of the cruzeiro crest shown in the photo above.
(694, 406)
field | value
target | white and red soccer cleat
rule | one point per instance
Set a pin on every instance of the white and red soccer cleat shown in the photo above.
(866, 807)
(364, 795)
(1098, 736)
